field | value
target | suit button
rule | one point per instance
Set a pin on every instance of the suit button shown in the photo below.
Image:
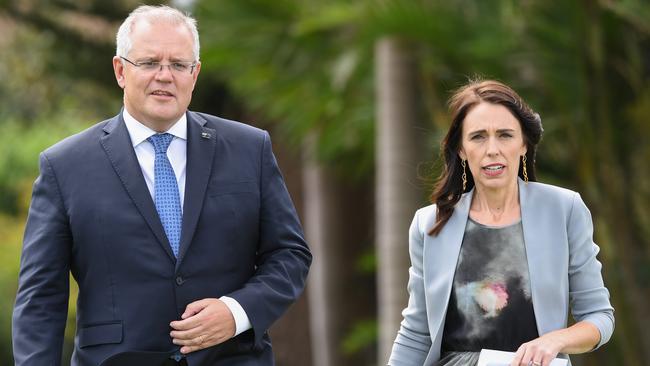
(179, 280)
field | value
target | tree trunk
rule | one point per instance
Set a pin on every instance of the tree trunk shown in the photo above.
(336, 221)
(293, 327)
(397, 195)
(319, 227)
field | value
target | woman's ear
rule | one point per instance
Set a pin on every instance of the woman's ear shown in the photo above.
(461, 153)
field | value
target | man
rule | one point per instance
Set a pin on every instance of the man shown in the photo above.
(176, 225)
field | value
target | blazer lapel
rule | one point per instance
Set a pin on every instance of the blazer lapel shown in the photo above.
(201, 144)
(118, 147)
(442, 258)
(539, 261)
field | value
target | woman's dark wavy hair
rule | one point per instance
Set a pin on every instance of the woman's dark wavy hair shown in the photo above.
(449, 187)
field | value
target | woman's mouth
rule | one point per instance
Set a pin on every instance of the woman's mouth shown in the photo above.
(493, 169)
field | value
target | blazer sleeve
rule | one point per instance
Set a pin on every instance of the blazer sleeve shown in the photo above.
(41, 308)
(413, 340)
(283, 258)
(589, 298)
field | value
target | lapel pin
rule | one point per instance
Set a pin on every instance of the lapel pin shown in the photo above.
(205, 135)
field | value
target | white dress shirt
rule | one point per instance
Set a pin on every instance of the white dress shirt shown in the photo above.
(177, 155)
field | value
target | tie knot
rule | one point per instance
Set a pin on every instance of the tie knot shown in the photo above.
(160, 142)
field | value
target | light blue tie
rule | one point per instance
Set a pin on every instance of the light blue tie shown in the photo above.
(167, 198)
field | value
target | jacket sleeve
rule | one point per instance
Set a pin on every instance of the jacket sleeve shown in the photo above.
(589, 298)
(413, 340)
(283, 258)
(41, 308)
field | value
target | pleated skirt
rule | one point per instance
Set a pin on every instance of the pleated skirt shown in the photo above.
(459, 359)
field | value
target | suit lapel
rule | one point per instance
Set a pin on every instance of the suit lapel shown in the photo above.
(119, 149)
(534, 244)
(201, 144)
(443, 258)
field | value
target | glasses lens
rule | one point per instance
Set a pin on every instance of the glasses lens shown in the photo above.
(150, 65)
(180, 66)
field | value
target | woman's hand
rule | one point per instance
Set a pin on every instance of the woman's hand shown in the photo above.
(581, 337)
(540, 351)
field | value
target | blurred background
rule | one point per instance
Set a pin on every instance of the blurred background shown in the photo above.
(354, 93)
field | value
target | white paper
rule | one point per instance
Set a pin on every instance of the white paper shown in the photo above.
(490, 357)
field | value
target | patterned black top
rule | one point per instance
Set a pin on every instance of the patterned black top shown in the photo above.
(490, 304)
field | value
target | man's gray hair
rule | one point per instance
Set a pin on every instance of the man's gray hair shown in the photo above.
(154, 14)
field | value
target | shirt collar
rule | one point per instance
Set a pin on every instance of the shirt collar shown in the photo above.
(139, 132)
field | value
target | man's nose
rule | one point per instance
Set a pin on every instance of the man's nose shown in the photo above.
(164, 72)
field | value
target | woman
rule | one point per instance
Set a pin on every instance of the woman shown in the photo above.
(498, 259)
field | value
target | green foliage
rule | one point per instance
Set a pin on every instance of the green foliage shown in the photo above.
(31, 92)
(11, 233)
(297, 63)
(363, 334)
(367, 262)
(23, 93)
(19, 149)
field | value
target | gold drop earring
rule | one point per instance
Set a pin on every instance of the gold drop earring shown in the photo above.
(523, 161)
(463, 162)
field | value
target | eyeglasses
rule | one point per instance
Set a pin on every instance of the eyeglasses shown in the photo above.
(176, 67)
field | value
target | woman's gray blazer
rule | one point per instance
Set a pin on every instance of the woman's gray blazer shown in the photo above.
(564, 271)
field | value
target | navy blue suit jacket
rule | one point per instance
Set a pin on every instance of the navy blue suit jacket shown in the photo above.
(92, 215)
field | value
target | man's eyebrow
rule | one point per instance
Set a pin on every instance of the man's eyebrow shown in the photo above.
(147, 58)
(180, 59)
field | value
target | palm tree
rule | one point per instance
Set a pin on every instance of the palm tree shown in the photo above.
(398, 149)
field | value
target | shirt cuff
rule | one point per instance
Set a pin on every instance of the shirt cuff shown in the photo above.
(242, 323)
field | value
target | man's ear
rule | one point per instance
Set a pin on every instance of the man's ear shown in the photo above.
(195, 74)
(118, 69)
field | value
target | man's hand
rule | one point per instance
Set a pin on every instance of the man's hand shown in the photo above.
(204, 323)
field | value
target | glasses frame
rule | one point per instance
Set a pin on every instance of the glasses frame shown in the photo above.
(191, 65)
